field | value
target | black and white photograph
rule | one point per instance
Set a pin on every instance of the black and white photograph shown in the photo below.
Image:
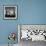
(32, 35)
(10, 12)
(33, 32)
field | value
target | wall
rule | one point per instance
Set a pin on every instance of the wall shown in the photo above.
(33, 12)
(29, 12)
(7, 26)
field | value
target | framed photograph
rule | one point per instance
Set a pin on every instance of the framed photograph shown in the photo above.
(10, 12)
(32, 32)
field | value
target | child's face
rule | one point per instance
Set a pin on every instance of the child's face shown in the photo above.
(10, 12)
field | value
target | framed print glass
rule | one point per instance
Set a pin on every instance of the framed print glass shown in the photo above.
(10, 12)
(32, 32)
